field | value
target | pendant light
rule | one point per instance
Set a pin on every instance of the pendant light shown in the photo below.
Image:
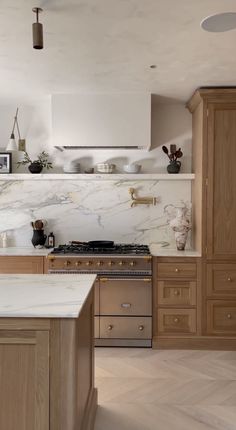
(37, 28)
(12, 145)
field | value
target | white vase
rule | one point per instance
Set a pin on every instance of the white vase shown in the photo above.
(181, 225)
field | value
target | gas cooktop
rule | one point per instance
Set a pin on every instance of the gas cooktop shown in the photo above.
(119, 249)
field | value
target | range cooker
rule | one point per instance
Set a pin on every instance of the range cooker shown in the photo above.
(123, 290)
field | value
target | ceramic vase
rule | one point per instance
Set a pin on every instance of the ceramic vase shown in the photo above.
(181, 225)
(174, 166)
(35, 167)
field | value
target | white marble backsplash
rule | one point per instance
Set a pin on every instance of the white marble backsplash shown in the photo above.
(89, 210)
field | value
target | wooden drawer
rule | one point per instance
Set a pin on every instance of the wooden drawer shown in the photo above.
(126, 327)
(126, 296)
(21, 264)
(176, 293)
(221, 280)
(96, 327)
(221, 317)
(176, 270)
(176, 321)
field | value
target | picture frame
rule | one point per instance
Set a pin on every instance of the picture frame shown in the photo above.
(5, 162)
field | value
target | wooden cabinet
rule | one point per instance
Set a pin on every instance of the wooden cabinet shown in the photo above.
(176, 297)
(214, 208)
(47, 372)
(26, 264)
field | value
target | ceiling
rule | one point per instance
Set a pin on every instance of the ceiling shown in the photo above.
(108, 46)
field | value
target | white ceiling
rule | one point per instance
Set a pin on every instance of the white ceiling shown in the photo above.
(108, 45)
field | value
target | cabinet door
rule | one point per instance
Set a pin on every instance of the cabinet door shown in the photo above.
(21, 264)
(221, 189)
(24, 380)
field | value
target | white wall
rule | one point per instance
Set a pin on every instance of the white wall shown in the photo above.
(171, 124)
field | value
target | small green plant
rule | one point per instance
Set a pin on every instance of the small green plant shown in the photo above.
(42, 160)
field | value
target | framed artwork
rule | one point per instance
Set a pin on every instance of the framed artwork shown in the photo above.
(5, 162)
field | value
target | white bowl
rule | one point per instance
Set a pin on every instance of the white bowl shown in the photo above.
(132, 168)
(105, 167)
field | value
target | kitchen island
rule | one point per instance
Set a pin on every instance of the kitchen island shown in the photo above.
(46, 352)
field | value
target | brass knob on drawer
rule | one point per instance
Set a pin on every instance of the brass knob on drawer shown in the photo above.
(110, 327)
(132, 263)
(66, 263)
(176, 320)
(229, 316)
(121, 263)
(99, 263)
(88, 263)
(78, 263)
(176, 292)
(110, 263)
(141, 327)
(229, 279)
(176, 270)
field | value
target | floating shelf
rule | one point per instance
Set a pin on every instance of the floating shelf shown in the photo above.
(97, 177)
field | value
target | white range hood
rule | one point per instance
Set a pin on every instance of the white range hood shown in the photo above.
(110, 121)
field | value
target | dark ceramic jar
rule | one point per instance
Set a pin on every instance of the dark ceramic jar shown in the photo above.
(35, 167)
(174, 166)
(39, 238)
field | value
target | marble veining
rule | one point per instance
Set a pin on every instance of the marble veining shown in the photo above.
(24, 251)
(44, 296)
(157, 251)
(89, 210)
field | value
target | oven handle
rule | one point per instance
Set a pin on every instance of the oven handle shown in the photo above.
(131, 278)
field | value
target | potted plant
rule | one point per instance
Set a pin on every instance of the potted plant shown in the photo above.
(37, 165)
(175, 164)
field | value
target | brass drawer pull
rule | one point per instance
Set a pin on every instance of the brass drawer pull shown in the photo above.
(229, 316)
(176, 292)
(176, 320)
(229, 279)
(110, 327)
(141, 327)
(176, 270)
(126, 305)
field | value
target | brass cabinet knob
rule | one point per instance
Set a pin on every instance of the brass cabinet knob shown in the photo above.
(121, 263)
(176, 320)
(229, 316)
(176, 293)
(78, 263)
(99, 263)
(66, 263)
(176, 270)
(110, 327)
(141, 327)
(88, 263)
(132, 263)
(110, 263)
(229, 279)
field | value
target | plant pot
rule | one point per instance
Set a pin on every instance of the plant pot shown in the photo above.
(35, 167)
(174, 167)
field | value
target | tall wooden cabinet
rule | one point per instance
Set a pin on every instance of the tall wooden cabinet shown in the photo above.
(214, 208)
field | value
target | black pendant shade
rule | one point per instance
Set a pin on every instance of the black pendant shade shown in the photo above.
(37, 29)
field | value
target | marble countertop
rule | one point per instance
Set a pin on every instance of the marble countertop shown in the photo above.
(24, 251)
(156, 251)
(43, 296)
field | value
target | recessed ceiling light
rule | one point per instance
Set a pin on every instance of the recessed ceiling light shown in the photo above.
(153, 66)
(220, 22)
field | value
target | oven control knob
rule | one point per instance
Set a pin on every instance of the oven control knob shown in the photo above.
(66, 263)
(89, 263)
(99, 263)
(78, 263)
(132, 263)
(121, 263)
(110, 263)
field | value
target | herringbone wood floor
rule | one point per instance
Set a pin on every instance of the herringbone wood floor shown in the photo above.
(143, 389)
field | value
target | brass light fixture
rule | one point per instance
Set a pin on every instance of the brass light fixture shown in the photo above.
(37, 29)
(12, 145)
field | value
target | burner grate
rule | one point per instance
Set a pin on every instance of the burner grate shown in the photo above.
(121, 249)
